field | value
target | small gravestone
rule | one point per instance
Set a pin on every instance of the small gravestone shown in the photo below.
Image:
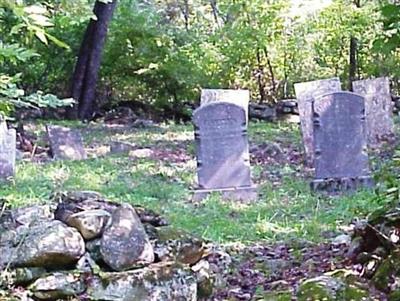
(7, 151)
(378, 109)
(223, 152)
(305, 93)
(65, 143)
(341, 158)
(237, 97)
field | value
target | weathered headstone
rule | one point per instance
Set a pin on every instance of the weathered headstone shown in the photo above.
(305, 93)
(341, 158)
(7, 151)
(65, 143)
(237, 97)
(223, 152)
(378, 109)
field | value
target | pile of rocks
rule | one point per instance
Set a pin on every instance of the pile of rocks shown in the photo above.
(93, 249)
(375, 248)
(374, 266)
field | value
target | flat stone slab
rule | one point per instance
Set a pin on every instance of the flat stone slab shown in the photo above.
(305, 93)
(242, 194)
(378, 109)
(65, 143)
(222, 146)
(7, 152)
(341, 156)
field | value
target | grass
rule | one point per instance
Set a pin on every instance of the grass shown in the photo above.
(285, 209)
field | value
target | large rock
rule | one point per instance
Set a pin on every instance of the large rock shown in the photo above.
(58, 286)
(21, 276)
(158, 282)
(89, 223)
(125, 244)
(331, 288)
(25, 216)
(51, 244)
(388, 269)
(171, 244)
(78, 201)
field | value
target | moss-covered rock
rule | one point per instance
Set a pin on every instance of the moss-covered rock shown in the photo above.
(277, 296)
(58, 285)
(394, 296)
(387, 270)
(332, 288)
(171, 244)
(321, 288)
(157, 282)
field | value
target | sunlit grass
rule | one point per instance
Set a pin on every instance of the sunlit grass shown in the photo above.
(285, 211)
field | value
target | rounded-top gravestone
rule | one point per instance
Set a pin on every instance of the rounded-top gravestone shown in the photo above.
(222, 150)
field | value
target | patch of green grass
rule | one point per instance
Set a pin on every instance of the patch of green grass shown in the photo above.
(283, 211)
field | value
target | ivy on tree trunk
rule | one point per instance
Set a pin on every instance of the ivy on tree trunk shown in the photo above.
(85, 76)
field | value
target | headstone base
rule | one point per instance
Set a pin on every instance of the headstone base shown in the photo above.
(334, 186)
(244, 194)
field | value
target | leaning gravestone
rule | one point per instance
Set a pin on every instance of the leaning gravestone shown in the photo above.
(222, 152)
(305, 93)
(341, 158)
(237, 97)
(378, 109)
(7, 151)
(65, 143)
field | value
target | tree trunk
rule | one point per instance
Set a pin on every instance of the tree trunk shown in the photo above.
(271, 71)
(353, 55)
(352, 62)
(260, 77)
(88, 64)
(186, 12)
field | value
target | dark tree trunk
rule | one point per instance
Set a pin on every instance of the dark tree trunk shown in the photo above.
(260, 78)
(88, 64)
(353, 55)
(271, 71)
(214, 8)
(352, 62)
(186, 12)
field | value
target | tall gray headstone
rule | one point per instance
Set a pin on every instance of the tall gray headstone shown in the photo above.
(305, 93)
(7, 151)
(222, 152)
(238, 97)
(378, 109)
(65, 143)
(341, 157)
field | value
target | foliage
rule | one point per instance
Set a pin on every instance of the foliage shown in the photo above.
(161, 53)
(25, 21)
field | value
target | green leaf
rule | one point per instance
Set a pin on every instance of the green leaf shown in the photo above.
(35, 9)
(57, 41)
(41, 36)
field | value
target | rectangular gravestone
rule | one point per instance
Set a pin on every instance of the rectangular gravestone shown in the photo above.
(7, 151)
(341, 158)
(65, 143)
(378, 109)
(237, 97)
(305, 93)
(223, 152)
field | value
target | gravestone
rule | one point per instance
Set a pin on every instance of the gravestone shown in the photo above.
(223, 152)
(237, 97)
(65, 143)
(7, 151)
(378, 109)
(305, 93)
(341, 158)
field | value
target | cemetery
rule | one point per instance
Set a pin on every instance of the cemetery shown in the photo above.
(163, 151)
